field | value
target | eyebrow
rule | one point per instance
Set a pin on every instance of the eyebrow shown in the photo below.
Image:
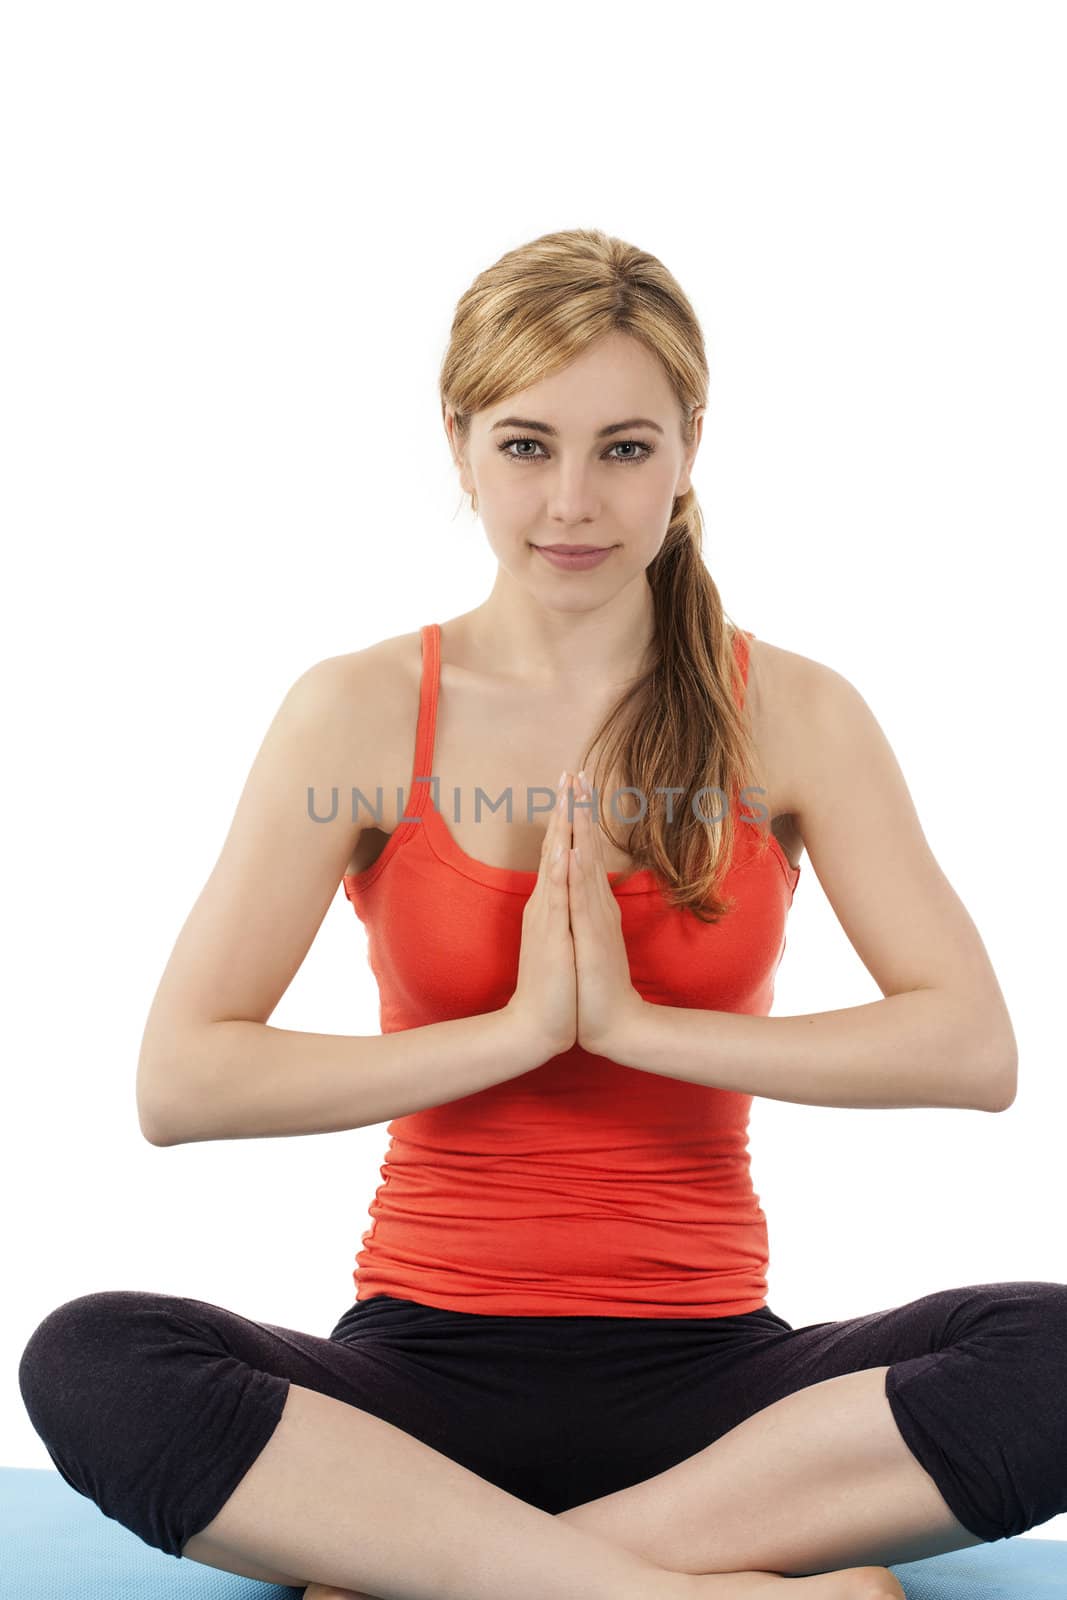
(553, 433)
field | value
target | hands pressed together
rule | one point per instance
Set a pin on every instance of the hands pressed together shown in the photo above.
(574, 974)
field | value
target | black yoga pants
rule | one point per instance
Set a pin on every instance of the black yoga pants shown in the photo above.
(155, 1406)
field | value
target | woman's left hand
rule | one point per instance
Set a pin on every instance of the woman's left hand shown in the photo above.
(606, 997)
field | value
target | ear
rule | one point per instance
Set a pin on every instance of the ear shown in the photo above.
(458, 456)
(450, 432)
(685, 482)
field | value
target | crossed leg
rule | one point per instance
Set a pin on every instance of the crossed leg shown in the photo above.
(821, 1479)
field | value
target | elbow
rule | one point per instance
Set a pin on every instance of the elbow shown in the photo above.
(152, 1126)
(1002, 1084)
(155, 1119)
(161, 1125)
(1002, 1094)
(171, 1098)
(994, 1054)
(169, 1089)
(155, 1135)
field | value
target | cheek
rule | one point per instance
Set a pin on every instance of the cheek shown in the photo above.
(511, 508)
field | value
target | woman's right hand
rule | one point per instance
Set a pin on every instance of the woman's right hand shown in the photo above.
(545, 1002)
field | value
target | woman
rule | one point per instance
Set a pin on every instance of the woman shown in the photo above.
(560, 1375)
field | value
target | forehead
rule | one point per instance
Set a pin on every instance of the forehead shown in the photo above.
(617, 380)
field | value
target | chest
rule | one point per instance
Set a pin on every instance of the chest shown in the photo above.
(497, 757)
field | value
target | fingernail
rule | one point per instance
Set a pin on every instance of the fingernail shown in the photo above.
(562, 776)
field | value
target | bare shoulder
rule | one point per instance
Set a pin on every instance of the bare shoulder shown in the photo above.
(855, 814)
(783, 696)
(804, 713)
(384, 660)
(372, 685)
(376, 691)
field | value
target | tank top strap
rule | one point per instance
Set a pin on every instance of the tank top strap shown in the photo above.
(741, 655)
(429, 690)
(426, 729)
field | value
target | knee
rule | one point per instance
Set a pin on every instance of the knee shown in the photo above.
(55, 1369)
(76, 1322)
(1053, 1296)
(1023, 1307)
(1043, 1307)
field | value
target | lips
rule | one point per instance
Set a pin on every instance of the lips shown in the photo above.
(569, 559)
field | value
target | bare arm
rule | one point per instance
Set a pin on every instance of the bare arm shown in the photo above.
(919, 1048)
(941, 1036)
(211, 1066)
(248, 1080)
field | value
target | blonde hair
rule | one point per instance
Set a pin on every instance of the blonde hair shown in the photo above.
(529, 314)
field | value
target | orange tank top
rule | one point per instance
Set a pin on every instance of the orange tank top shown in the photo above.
(581, 1187)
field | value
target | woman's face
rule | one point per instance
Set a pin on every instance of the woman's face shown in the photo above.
(561, 470)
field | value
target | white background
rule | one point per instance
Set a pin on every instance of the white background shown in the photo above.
(236, 234)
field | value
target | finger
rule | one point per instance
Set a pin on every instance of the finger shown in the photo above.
(582, 809)
(566, 824)
(591, 841)
(587, 877)
(575, 883)
(544, 865)
(586, 833)
(557, 837)
(576, 889)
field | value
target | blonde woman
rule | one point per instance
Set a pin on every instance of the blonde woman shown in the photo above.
(560, 1376)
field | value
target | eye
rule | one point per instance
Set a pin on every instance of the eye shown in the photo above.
(515, 438)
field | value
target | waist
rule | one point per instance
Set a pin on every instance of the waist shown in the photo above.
(507, 1243)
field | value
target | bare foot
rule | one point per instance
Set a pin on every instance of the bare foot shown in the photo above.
(326, 1591)
(848, 1583)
